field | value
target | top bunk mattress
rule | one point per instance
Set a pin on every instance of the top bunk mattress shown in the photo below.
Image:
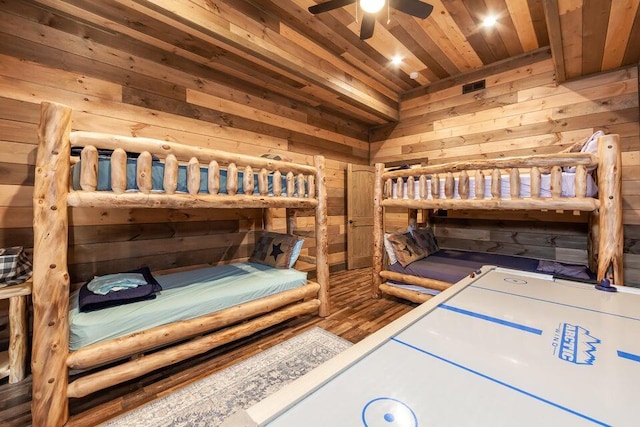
(568, 183)
(157, 178)
(185, 295)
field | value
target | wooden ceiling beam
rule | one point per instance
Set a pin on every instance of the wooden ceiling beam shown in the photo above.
(595, 17)
(632, 52)
(552, 16)
(317, 30)
(467, 25)
(488, 70)
(183, 13)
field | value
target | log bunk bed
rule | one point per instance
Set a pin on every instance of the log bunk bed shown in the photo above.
(416, 189)
(120, 359)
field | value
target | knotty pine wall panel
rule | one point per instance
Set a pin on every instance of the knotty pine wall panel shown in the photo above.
(521, 111)
(117, 84)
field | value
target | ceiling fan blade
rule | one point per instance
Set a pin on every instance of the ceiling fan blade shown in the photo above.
(329, 5)
(412, 7)
(368, 23)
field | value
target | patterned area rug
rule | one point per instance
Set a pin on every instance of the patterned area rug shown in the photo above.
(209, 401)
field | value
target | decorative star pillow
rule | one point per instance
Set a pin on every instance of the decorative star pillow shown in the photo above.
(274, 249)
(406, 248)
(426, 239)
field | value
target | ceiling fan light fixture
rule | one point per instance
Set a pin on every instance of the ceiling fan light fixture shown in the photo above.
(489, 21)
(372, 6)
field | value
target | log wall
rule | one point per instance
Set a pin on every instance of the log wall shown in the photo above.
(122, 85)
(521, 111)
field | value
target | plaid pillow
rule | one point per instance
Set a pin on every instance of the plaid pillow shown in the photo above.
(274, 249)
(15, 267)
(425, 239)
(406, 248)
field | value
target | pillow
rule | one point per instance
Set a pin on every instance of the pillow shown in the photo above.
(569, 270)
(89, 301)
(425, 239)
(590, 146)
(406, 249)
(295, 253)
(115, 282)
(274, 249)
(389, 248)
(148, 277)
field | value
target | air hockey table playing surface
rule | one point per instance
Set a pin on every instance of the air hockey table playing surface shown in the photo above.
(504, 348)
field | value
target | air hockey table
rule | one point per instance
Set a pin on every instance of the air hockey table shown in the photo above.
(503, 348)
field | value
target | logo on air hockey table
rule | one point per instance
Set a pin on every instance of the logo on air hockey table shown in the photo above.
(574, 344)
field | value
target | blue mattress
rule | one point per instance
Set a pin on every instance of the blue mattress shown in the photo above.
(452, 266)
(185, 295)
(157, 178)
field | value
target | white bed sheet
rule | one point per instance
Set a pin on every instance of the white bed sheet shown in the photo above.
(568, 187)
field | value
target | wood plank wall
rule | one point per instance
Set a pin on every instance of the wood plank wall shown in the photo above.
(120, 85)
(521, 111)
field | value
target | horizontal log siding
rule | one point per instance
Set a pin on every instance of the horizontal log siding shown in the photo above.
(521, 111)
(121, 85)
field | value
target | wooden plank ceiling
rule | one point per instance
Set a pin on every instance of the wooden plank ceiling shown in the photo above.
(279, 47)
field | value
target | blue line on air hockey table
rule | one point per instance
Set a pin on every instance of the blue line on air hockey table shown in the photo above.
(492, 319)
(502, 383)
(628, 356)
(556, 303)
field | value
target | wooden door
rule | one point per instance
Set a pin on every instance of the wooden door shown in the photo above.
(359, 216)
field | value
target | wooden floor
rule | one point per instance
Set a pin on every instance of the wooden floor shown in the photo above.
(354, 315)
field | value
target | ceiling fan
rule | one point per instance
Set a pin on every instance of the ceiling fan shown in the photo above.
(415, 8)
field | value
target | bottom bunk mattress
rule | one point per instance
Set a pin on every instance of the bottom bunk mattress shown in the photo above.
(184, 295)
(452, 266)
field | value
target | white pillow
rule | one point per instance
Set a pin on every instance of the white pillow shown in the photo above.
(295, 252)
(591, 146)
(389, 248)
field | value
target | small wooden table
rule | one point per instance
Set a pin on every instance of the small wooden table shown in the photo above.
(13, 363)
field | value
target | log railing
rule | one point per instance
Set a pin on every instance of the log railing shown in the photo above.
(438, 184)
(299, 180)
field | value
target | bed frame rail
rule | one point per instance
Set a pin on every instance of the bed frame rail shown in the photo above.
(147, 363)
(108, 351)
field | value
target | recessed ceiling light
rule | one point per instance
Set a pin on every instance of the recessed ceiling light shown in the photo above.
(371, 6)
(414, 75)
(489, 21)
(396, 60)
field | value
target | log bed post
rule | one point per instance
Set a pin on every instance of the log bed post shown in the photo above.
(322, 245)
(412, 218)
(593, 234)
(50, 276)
(610, 249)
(291, 220)
(378, 231)
(268, 219)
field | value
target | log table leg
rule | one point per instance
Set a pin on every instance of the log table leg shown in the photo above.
(17, 338)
